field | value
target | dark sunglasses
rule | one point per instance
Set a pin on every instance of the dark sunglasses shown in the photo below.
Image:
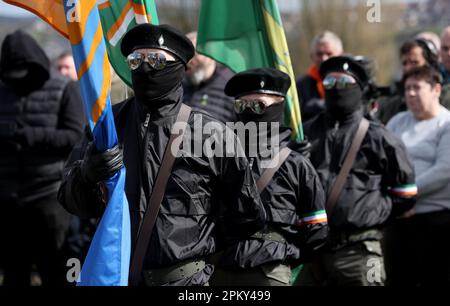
(257, 106)
(156, 60)
(341, 82)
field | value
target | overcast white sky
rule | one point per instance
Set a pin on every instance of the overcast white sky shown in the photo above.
(10, 10)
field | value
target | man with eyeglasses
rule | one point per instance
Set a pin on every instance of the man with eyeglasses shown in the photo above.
(208, 201)
(418, 52)
(293, 197)
(379, 185)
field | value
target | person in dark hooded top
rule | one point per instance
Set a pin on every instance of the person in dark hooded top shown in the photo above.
(380, 185)
(41, 119)
(296, 227)
(209, 201)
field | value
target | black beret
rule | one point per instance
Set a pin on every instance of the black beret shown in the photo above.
(259, 80)
(162, 37)
(347, 65)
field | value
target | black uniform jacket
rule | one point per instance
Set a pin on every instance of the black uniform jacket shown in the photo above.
(379, 180)
(294, 201)
(209, 200)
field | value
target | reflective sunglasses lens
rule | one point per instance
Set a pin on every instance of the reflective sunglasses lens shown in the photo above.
(258, 107)
(134, 60)
(157, 60)
(238, 106)
(329, 82)
(345, 82)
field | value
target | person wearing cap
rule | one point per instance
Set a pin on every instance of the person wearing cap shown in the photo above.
(380, 184)
(293, 199)
(208, 200)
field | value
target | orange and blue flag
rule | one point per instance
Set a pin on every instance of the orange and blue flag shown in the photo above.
(108, 258)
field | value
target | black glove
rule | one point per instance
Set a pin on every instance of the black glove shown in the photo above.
(99, 166)
(303, 147)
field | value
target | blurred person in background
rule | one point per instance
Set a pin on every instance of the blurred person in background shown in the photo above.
(433, 37)
(309, 87)
(41, 119)
(445, 55)
(414, 53)
(65, 65)
(418, 245)
(204, 84)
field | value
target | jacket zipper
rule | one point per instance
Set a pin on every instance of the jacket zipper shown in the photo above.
(143, 171)
(333, 156)
(147, 120)
(335, 129)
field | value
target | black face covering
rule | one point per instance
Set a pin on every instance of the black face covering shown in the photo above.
(273, 113)
(25, 79)
(343, 102)
(152, 86)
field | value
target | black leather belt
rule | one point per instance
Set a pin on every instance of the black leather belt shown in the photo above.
(184, 269)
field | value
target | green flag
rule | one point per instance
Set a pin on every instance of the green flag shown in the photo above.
(245, 34)
(117, 18)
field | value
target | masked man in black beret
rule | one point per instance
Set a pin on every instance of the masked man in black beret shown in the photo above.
(209, 199)
(289, 186)
(364, 191)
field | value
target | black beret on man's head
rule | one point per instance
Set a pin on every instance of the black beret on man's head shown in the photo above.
(259, 80)
(346, 65)
(162, 37)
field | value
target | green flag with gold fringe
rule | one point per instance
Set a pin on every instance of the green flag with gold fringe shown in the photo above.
(245, 34)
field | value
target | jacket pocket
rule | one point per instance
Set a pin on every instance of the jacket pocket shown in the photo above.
(363, 180)
(186, 205)
(278, 272)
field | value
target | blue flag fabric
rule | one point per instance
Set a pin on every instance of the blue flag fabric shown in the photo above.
(108, 258)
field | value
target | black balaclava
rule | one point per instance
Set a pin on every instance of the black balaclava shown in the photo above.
(341, 103)
(273, 113)
(154, 87)
(23, 64)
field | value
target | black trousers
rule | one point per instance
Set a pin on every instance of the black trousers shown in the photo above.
(33, 234)
(417, 250)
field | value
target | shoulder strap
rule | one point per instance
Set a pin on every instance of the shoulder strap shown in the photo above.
(348, 163)
(156, 197)
(267, 175)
